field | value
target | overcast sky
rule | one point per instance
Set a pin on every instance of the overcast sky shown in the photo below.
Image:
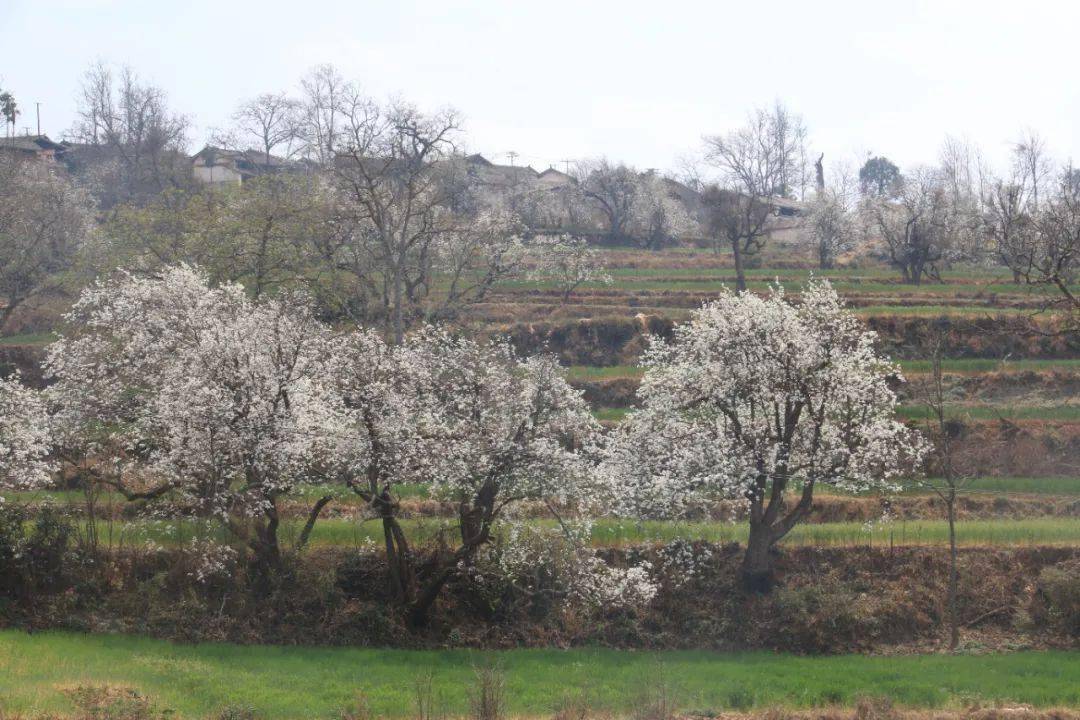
(555, 79)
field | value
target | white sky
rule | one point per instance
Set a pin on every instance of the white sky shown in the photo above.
(555, 79)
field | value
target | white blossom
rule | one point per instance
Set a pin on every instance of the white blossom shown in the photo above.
(755, 397)
(24, 437)
(224, 401)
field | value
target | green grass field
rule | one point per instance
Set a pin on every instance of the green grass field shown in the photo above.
(983, 365)
(27, 339)
(295, 682)
(708, 280)
(1036, 485)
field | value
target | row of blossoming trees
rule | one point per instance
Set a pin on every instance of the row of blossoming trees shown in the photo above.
(167, 387)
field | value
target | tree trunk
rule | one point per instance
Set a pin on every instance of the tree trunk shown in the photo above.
(399, 324)
(421, 609)
(397, 559)
(6, 312)
(313, 517)
(824, 257)
(740, 273)
(265, 543)
(954, 619)
(757, 568)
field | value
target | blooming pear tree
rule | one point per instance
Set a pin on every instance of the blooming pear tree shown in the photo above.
(24, 437)
(756, 399)
(486, 431)
(567, 261)
(383, 443)
(493, 431)
(200, 394)
(469, 257)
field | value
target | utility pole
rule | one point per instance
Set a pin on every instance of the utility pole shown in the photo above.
(38, 117)
(566, 165)
(512, 155)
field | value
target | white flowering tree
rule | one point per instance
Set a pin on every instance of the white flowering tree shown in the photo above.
(24, 437)
(200, 394)
(757, 399)
(45, 220)
(657, 217)
(633, 206)
(384, 445)
(832, 225)
(489, 431)
(468, 257)
(485, 430)
(567, 261)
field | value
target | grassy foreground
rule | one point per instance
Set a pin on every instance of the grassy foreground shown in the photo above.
(293, 682)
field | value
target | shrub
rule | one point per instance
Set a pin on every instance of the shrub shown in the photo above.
(237, 712)
(487, 700)
(1056, 603)
(359, 710)
(33, 561)
(816, 618)
(94, 702)
(875, 708)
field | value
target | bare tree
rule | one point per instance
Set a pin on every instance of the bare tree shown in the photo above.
(738, 221)
(917, 228)
(832, 225)
(1032, 163)
(44, 220)
(1040, 244)
(131, 124)
(1009, 224)
(950, 484)
(1054, 256)
(325, 96)
(270, 120)
(758, 161)
(960, 162)
(389, 163)
(612, 188)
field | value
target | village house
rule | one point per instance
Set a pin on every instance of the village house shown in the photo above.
(32, 146)
(219, 166)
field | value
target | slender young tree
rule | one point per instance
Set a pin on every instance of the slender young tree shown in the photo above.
(950, 483)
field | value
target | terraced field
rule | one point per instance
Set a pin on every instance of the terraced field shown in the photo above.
(672, 282)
